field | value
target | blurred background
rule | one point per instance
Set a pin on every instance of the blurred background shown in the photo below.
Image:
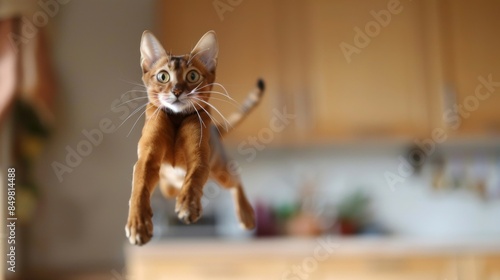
(375, 153)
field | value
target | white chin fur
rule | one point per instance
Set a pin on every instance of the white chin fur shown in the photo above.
(176, 108)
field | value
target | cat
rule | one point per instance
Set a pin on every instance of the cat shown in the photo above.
(180, 148)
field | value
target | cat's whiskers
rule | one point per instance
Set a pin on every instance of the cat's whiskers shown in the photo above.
(217, 92)
(196, 111)
(130, 131)
(134, 83)
(197, 87)
(201, 121)
(214, 84)
(196, 92)
(133, 113)
(214, 91)
(128, 101)
(142, 89)
(232, 102)
(217, 123)
(217, 84)
(156, 113)
(226, 122)
(211, 90)
(134, 91)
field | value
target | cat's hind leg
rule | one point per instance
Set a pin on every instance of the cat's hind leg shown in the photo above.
(230, 180)
(243, 208)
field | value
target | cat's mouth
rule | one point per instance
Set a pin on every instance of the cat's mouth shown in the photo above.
(178, 101)
(176, 104)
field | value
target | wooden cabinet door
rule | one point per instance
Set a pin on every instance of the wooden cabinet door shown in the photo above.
(472, 63)
(367, 70)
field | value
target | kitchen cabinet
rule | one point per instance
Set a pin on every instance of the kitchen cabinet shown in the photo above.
(294, 45)
(470, 53)
(368, 69)
(347, 70)
(282, 258)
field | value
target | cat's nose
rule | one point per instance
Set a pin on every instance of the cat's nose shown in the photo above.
(177, 90)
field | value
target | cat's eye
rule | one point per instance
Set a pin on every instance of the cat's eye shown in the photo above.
(163, 77)
(193, 76)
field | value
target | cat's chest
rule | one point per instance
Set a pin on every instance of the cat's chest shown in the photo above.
(174, 175)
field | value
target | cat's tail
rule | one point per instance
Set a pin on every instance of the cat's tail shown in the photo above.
(252, 100)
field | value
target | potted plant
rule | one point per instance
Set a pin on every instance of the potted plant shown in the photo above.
(352, 213)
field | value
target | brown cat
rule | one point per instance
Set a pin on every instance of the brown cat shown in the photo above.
(179, 147)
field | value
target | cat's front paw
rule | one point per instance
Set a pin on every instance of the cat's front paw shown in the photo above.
(188, 207)
(139, 228)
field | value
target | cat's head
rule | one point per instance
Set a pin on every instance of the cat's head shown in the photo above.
(179, 84)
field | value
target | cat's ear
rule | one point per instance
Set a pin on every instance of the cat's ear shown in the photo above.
(151, 50)
(206, 50)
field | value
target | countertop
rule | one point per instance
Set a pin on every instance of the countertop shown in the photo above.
(305, 246)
